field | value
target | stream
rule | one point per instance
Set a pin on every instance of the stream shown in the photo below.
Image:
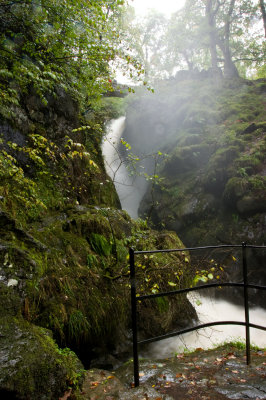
(131, 190)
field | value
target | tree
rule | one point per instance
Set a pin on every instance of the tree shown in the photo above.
(234, 38)
(223, 40)
(263, 13)
(49, 43)
(210, 12)
(185, 42)
(217, 33)
(144, 37)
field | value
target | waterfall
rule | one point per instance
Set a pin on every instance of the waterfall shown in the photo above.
(131, 190)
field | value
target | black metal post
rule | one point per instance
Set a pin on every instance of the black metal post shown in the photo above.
(134, 317)
(246, 304)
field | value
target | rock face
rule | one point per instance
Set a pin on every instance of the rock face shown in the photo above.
(64, 241)
(212, 182)
(214, 138)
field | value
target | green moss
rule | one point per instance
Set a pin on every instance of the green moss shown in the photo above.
(31, 364)
(235, 188)
(100, 245)
(162, 304)
(78, 327)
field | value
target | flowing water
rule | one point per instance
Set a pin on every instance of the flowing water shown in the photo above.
(209, 309)
(130, 189)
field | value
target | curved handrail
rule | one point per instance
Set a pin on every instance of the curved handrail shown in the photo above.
(245, 285)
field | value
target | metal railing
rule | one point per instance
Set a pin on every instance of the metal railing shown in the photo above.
(245, 285)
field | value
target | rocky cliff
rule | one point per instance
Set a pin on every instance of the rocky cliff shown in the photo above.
(211, 187)
(64, 273)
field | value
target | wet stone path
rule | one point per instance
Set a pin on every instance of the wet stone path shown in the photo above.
(218, 374)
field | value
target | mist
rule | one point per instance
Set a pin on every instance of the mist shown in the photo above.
(195, 131)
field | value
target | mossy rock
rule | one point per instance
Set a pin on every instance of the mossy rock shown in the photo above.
(246, 195)
(251, 204)
(234, 190)
(163, 272)
(189, 140)
(77, 285)
(218, 196)
(183, 159)
(31, 364)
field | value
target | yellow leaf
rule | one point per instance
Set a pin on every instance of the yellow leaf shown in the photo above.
(171, 284)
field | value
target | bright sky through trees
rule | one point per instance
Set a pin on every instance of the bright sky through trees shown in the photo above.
(165, 6)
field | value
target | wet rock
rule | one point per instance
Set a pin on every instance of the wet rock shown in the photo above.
(101, 384)
(31, 365)
(251, 128)
(251, 205)
(218, 374)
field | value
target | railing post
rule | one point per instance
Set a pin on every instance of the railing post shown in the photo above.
(246, 304)
(134, 316)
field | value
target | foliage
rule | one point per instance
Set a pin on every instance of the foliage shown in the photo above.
(78, 326)
(201, 35)
(100, 245)
(50, 44)
(110, 108)
(18, 191)
(145, 38)
(33, 176)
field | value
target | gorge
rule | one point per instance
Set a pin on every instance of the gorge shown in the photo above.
(188, 139)
(208, 308)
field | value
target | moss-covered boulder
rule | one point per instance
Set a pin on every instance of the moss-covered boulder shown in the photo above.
(31, 364)
(77, 284)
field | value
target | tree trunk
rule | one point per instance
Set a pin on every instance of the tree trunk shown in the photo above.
(210, 15)
(263, 12)
(189, 63)
(230, 69)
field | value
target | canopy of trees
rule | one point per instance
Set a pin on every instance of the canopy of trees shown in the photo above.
(77, 45)
(218, 34)
(44, 43)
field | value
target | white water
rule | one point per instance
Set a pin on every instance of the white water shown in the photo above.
(130, 189)
(211, 310)
(130, 192)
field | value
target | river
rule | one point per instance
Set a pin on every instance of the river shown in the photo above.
(131, 190)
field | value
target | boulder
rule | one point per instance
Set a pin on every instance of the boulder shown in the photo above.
(31, 364)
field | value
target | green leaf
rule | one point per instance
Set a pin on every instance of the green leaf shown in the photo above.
(172, 284)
